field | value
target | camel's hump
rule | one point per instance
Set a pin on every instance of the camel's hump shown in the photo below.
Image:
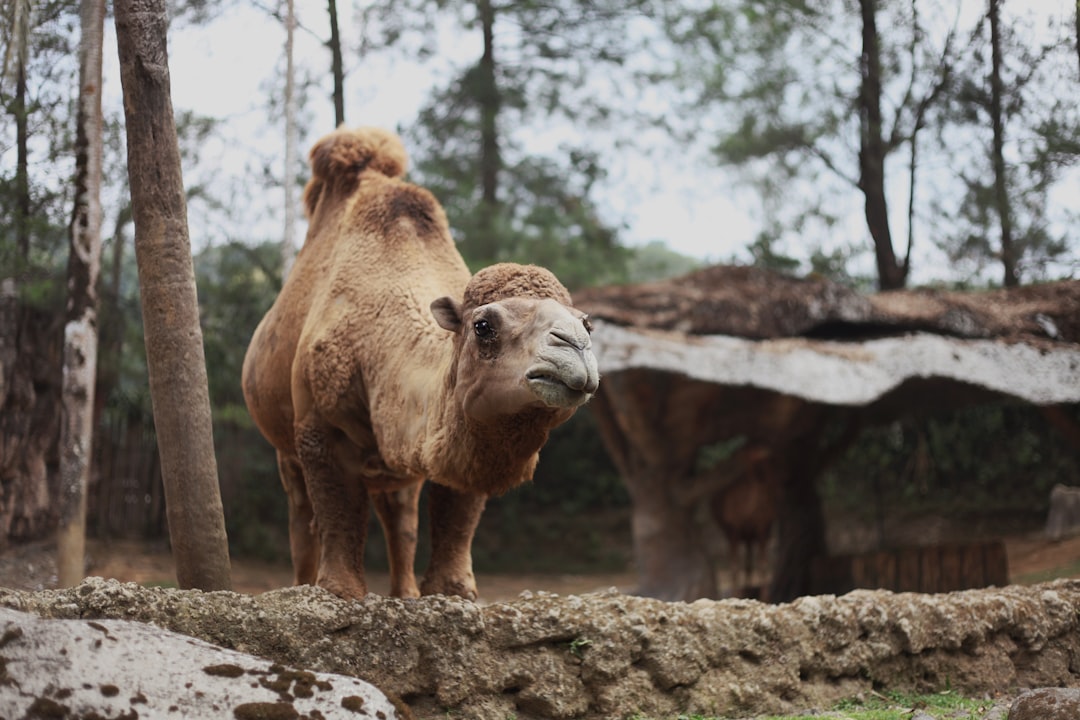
(346, 152)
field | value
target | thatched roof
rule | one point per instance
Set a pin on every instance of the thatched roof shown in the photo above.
(823, 342)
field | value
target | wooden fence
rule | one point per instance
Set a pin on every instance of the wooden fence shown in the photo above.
(928, 569)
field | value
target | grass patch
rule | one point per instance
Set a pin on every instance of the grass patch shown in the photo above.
(891, 705)
(1069, 570)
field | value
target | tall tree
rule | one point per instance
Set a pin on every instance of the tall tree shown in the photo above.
(16, 58)
(337, 65)
(38, 64)
(505, 200)
(1010, 135)
(288, 243)
(788, 97)
(873, 151)
(178, 381)
(997, 120)
(80, 331)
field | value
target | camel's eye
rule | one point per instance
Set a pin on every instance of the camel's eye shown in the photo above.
(587, 323)
(483, 330)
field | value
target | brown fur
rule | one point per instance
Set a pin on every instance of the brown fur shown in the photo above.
(371, 373)
(745, 510)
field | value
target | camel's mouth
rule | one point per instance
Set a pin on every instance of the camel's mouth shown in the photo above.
(557, 391)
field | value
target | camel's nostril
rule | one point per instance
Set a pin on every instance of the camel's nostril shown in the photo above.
(571, 339)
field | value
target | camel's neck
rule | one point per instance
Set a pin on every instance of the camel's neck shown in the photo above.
(422, 430)
(492, 457)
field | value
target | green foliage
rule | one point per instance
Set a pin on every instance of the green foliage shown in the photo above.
(892, 705)
(776, 90)
(656, 261)
(575, 509)
(544, 214)
(977, 461)
(237, 284)
(508, 199)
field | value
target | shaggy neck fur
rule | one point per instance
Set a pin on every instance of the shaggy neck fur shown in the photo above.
(485, 457)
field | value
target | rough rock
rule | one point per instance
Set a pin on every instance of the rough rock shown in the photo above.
(611, 655)
(1047, 704)
(847, 372)
(122, 669)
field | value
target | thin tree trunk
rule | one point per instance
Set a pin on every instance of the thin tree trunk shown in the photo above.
(916, 31)
(490, 160)
(174, 349)
(1001, 192)
(288, 242)
(337, 67)
(872, 152)
(21, 37)
(80, 331)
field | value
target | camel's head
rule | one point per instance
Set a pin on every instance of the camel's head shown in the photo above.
(520, 344)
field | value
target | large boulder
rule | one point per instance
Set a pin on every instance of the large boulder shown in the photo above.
(610, 655)
(122, 669)
(1047, 704)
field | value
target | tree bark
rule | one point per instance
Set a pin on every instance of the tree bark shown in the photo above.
(635, 414)
(872, 151)
(80, 330)
(490, 161)
(337, 67)
(997, 120)
(175, 360)
(21, 36)
(288, 242)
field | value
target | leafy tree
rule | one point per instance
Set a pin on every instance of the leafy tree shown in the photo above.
(237, 283)
(815, 115)
(37, 71)
(506, 200)
(1012, 136)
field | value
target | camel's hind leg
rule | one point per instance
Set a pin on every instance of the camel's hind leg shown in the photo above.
(302, 541)
(454, 517)
(397, 511)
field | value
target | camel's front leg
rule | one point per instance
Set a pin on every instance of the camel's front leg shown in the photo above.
(397, 511)
(454, 517)
(340, 504)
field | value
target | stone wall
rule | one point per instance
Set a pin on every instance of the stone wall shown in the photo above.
(609, 655)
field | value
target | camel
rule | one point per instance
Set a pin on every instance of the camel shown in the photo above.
(384, 362)
(745, 510)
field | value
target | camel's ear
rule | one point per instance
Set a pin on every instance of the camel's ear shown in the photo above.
(447, 313)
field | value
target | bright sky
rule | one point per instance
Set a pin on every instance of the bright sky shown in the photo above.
(226, 68)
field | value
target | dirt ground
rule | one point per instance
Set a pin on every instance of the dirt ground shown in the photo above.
(33, 567)
(1032, 558)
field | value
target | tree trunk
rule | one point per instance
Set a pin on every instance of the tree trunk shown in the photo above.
(337, 67)
(872, 151)
(635, 413)
(80, 331)
(801, 519)
(175, 360)
(801, 533)
(288, 242)
(1001, 192)
(669, 552)
(21, 39)
(490, 161)
(29, 357)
